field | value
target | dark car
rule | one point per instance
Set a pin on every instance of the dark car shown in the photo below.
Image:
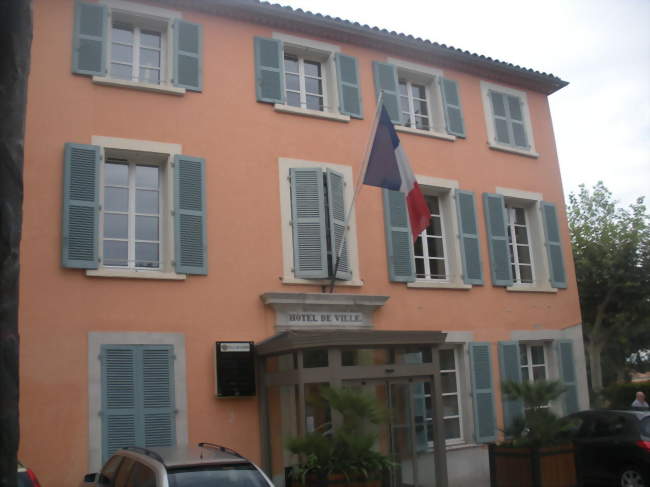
(613, 447)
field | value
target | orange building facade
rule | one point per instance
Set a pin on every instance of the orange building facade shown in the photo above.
(187, 166)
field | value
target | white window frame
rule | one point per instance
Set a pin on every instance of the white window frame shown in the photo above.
(529, 362)
(137, 46)
(95, 342)
(430, 78)
(514, 244)
(302, 89)
(458, 394)
(148, 17)
(486, 88)
(531, 202)
(444, 189)
(288, 276)
(149, 152)
(424, 236)
(324, 53)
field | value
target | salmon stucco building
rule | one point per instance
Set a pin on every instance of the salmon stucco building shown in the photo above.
(188, 169)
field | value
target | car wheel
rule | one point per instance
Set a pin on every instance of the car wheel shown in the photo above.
(632, 477)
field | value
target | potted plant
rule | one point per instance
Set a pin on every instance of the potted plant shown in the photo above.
(537, 450)
(344, 455)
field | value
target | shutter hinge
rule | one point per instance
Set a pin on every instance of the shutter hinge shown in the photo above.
(100, 414)
(290, 223)
(99, 357)
(173, 213)
(99, 207)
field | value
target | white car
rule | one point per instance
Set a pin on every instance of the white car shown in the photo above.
(205, 465)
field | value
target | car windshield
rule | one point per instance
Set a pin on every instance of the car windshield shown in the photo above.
(645, 427)
(216, 476)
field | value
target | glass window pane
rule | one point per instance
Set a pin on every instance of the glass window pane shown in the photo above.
(537, 354)
(116, 174)
(520, 216)
(146, 177)
(419, 268)
(315, 358)
(115, 253)
(437, 267)
(523, 356)
(146, 227)
(526, 273)
(539, 373)
(524, 254)
(122, 54)
(121, 71)
(290, 64)
(150, 39)
(417, 247)
(146, 201)
(447, 360)
(433, 203)
(420, 107)
(313, 85)
(435, 227)
(293, 99)
(293, 82)
(521, 235)
(315, 102)
(452, 428)
(317, 412)
(502, 131)
(312, 68)
(146, 254)
(281, 363)
(402, 89)
(150, 76)
(122, 33)
(116, 199)
(149, 57)
(116, 226)
(421, 123)
(413, 356)
(519, 133)
(448, 382)
(365, 356)
(435, 247)
(515, 108)
(497, 104)
(419, 91)
(449, 405)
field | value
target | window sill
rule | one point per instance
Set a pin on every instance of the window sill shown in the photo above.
(514, 150)
(311, 113)
(527, 288)
(320, 282)
(168, 89)
(425, 133)
(135, 274)
(438, 285)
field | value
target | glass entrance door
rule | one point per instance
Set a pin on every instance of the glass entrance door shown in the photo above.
(408, 435)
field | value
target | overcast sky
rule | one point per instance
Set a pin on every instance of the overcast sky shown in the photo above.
(602, 47)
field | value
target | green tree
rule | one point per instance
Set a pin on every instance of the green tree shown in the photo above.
(611, 248)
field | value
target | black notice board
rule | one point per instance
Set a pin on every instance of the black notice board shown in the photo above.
(235, 369)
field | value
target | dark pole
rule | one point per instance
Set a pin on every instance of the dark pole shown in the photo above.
(15, 43)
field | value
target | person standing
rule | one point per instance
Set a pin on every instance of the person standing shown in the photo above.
(640, 401)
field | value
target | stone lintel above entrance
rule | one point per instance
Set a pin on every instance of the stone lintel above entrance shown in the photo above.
(322, 310)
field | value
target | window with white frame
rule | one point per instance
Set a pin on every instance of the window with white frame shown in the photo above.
(414, 105)
(304, 82)
(532, 358)
(519, 245)
(430, 247)
(131, 214)
(450, 394)
(508, 118)
(137, 52)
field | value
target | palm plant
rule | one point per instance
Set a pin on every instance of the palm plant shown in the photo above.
(538, 426)
(348, 450)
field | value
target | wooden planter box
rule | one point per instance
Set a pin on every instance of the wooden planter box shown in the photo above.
(552, 466)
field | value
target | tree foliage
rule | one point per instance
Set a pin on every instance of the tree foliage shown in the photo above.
(611, 248)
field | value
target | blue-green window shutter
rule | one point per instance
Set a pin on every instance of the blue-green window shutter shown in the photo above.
(336, 208)
(468, 235)
(553, 246)
(347, 76)
(191, 247)
(510, 371)
(269, 70)
(308, 223)
(119, 398)
(568, 376)
(485, 428)
(453, 110)
(497, 229)
(80, 206)
(386, 81)
(399, 242)
(158, 405)
(89, 42)
(188, 55)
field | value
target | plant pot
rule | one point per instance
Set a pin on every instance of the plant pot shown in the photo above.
(532, 467)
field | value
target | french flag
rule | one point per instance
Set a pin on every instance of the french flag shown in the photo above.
(388, 168)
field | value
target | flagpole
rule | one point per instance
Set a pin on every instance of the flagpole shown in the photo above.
(364, 167)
